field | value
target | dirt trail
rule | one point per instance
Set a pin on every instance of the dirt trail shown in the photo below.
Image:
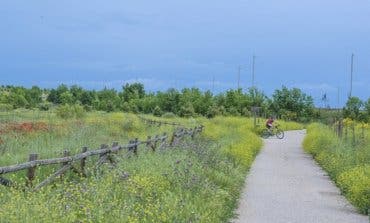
(286, 185)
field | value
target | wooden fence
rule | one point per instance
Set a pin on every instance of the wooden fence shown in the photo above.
(348, 131)
(159, 123)
(105, 154)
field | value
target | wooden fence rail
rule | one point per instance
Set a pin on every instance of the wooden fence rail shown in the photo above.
(105, 154)
(157, 122)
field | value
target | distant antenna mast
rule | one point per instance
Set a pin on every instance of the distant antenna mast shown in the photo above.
(253, 63)
(350, 91)
(213, 84)
(338, 98)
(239, 68)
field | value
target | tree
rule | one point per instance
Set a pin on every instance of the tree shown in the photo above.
(77, 93)
(257, 97)
(292, 104)
(367, 108)
(33, 96)
(55, 95)
(236, 101)
(353, 107)
(17, 98)
(169, 101)
(87, 97)
(108, 100)
(66, 98)
(132, 91)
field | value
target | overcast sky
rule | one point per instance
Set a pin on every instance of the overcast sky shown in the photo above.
(306, 44)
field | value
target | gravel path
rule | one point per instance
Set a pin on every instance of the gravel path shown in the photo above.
(286, 185)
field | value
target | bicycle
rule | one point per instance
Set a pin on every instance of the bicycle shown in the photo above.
(266, 133)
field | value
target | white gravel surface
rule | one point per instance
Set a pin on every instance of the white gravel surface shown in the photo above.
(286, 185)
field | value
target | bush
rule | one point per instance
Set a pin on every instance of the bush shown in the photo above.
(187, 110)
(5, 107)
(131, 125)
(233, 112)
(157, 111)
(79, 111)
(355, 183)
(318, 141)
(70, 111)
(126, 107)
(246, 112)
(88, 108)
(214, 111)
(169, 115)
(45, 106)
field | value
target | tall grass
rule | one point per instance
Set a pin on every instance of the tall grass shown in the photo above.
(198, 181)
(347, 164)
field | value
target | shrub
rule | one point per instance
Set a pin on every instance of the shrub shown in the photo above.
(45, 106)
(88, 108)
(246, 112)
(233, 112)
(355, 183)
(126, 107)
(317, 141)
(5, 107)
(79, 111)
(70, 111)
(169, 115)
(187, 110)
(214, 111)
(157, 111)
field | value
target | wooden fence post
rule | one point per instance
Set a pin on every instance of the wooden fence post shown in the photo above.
(5, 182)
(353, 134)
(135, 147)
(102, 146)
(163, 141)
(149, 143)
(157, 138)
(172, 140)
(65, 154)
(110, 156)
(115, 144)
(193, 132)
(31, 171)
(340, 128)
(83, 162)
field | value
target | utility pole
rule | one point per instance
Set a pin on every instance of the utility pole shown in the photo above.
(239, 69)
(338, 98)
(350, 91)
(213, 84)
(253, 63)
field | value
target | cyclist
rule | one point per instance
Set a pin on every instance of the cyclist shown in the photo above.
(270, 123)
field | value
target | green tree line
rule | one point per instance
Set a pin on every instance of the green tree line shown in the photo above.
(291, 104)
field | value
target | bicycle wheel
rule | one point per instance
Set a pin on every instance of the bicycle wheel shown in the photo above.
(279, 134)
(265, 134)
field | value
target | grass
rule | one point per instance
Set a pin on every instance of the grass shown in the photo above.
(199, 181)
(346, 161)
